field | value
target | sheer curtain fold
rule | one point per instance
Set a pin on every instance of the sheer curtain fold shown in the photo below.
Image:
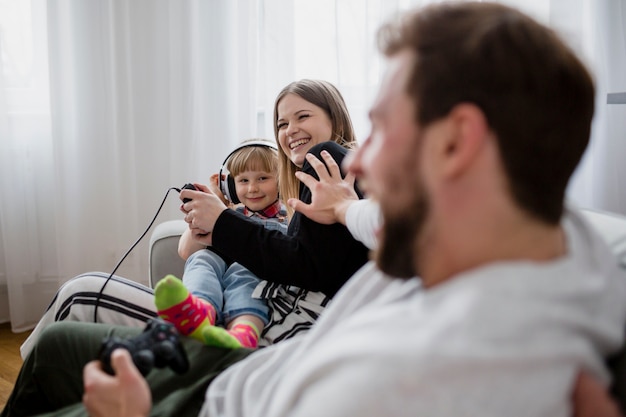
(599, 29)
(142, 97)
(112, 102)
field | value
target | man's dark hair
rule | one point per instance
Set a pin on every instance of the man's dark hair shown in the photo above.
(537, 96)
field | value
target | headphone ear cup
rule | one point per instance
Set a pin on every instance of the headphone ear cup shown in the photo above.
(232, 190)
(226, 181)
(224, 176)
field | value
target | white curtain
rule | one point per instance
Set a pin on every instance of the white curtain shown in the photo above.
(106, 104)
(334, 40)
(115, 102)
(599, 31)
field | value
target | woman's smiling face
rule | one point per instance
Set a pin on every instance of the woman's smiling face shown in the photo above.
(301, 125)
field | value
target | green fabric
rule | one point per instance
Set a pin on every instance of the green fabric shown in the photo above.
(51, 378)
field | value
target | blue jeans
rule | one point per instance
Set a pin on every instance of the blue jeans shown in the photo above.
(228, 288)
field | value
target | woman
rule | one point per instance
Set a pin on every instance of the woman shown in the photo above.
(306, 266)
(309, 116)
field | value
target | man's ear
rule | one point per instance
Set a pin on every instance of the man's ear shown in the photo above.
(468, 131)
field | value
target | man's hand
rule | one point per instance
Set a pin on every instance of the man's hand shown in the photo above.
(591, 399)
(126, 394)
(330, 196)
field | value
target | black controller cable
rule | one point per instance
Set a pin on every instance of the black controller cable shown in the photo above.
(95, 310)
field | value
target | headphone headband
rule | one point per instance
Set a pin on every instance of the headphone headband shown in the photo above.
(246, 144)
(226, 181)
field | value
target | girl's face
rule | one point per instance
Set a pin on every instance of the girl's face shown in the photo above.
(256, 189)
(301, 125)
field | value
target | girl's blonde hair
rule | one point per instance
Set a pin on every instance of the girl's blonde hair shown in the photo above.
(253, 158)
(326, 96)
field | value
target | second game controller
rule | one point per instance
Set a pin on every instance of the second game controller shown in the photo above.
(158, 345)
(188, 187)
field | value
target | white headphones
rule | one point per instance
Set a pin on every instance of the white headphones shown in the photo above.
(226, 181)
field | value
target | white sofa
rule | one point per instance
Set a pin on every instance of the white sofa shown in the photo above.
(164, 259)
(163, 250)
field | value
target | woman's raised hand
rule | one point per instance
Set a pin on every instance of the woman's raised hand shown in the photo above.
(330, 195)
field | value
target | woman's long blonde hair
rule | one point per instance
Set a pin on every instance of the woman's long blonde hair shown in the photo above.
(326, 96)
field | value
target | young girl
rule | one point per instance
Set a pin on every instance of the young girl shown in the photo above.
(213, 290)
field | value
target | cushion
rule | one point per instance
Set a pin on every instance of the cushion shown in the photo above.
(613, 228)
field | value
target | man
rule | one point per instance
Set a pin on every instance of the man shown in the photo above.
(479, 123)
(481, 120)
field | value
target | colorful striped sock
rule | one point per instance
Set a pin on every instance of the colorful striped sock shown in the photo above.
(243, 334)
(187, 312)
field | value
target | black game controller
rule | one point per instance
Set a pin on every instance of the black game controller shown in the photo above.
(158, 345)
(188, 187)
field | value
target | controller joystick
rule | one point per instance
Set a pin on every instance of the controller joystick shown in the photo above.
(158, 345)
(188, 187)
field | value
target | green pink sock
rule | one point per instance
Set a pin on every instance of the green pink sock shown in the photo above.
(175, 304)
(243, 334)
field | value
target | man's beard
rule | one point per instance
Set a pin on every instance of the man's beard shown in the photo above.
(397, 250)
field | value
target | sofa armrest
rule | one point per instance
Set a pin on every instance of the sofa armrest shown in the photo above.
(163, 250)
(612, 227)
